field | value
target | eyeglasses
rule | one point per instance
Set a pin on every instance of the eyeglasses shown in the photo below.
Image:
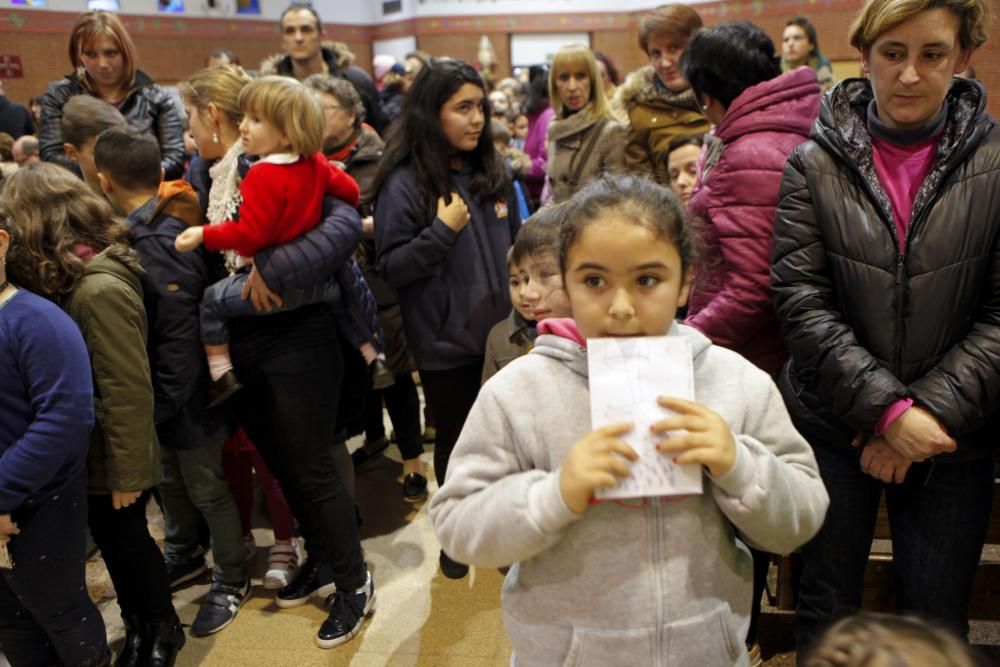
(331, 107)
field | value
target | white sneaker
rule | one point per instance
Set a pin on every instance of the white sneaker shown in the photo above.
(282, 563)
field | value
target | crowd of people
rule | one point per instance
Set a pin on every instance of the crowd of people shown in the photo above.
(201, 296)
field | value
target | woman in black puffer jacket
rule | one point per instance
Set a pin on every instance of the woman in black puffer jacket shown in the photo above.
(886, 278)
(103, 58)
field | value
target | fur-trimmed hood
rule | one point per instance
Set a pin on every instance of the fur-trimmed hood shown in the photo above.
(639, 88)
(337, 55)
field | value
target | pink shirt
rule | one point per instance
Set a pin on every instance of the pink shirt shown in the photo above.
(901, 170)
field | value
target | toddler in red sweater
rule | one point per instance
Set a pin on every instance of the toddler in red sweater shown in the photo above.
(282, 198)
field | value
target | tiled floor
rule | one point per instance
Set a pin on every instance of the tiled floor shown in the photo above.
(421, 618)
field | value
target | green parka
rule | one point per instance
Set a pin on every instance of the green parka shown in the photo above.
(107, 305)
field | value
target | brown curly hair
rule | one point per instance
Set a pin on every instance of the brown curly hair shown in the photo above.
(49, 212)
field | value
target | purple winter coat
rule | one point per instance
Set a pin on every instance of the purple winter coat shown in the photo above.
(736, 197)
(535, 147)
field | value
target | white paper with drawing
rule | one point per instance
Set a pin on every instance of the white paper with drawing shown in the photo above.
(626, 376)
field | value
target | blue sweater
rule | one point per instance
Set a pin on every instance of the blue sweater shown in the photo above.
(46, 400)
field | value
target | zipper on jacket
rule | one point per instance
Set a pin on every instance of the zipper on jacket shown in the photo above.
(658, 578)
(900, 295)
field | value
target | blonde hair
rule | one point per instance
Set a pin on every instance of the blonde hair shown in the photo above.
(290, 107)
(883, 640)
(880, 16)
(87, 27)
(576, 55)
(48, 212)
(220, 85)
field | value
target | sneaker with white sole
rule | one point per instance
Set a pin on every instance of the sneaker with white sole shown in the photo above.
(314, 577)
(348, 611)
(219, 608)
(282, 563)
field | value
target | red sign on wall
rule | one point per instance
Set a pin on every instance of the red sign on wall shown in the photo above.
(10, 67)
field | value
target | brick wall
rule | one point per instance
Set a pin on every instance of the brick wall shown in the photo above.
(169, 49)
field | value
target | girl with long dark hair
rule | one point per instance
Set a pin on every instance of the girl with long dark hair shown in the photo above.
(444, 220)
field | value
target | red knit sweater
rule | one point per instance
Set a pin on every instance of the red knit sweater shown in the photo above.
(280, 203)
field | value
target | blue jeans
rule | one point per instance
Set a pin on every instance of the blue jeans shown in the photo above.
(938, 518)
(222, 302)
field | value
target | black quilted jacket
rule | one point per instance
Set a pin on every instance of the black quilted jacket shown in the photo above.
(867, 325)
(147, 108)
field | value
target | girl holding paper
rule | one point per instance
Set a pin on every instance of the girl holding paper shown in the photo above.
(519, 489)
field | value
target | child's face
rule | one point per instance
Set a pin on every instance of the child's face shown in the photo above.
(260, 137)
(546, 292)
(517, 282)
(623, 280)
(83, 155)
(462, 119)
(190, 145)
(683, 167)
(521, 127)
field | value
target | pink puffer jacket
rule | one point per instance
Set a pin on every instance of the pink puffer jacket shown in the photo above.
(736, 198)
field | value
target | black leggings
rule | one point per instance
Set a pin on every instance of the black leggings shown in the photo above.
(46, 616)
(288, 406)
(452, 393)
(403, 404)
(133, 560)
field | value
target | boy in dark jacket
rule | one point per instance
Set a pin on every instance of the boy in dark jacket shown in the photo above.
(193, 485)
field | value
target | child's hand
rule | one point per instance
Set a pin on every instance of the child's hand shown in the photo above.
(455, 214)
(189, 239)
(708, 440)
(592, 464)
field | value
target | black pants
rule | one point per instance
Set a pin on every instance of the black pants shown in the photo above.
(938, 518)
(133, 560)
(288, 406)
(403, 404)
(761, 565)
(46, 616)
(452, 392)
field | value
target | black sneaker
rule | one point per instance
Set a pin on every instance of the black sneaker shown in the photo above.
(450, 568)
(219, 391)
(369, 451)
(182, 573)
(314, 576)
(219, 608)
(347, 612)
(414, 487)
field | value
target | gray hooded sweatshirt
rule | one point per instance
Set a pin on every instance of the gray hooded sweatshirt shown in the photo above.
(656, 581)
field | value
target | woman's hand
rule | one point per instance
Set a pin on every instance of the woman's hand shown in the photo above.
(595, 462)
(255, 289)
(122, 499)
(917, 435)
(708, 442)
(882, 462)
(455, 214)
(7, 528)
(189, 239)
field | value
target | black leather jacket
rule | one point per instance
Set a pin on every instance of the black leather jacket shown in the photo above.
(866, 324)
(147, 108)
